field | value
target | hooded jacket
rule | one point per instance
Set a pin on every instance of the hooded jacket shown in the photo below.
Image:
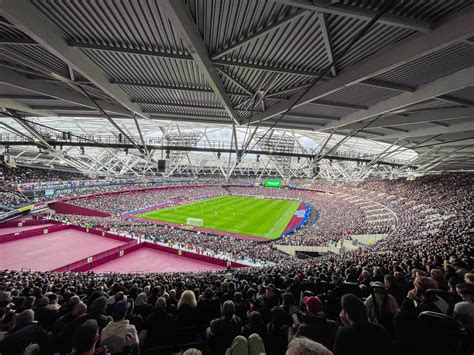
(115, 332)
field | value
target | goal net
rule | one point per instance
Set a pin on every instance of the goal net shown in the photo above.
(194, 222)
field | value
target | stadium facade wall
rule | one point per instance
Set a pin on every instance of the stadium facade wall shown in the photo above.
(26, 222)
(95, 260)
(195, 256)
(67, 208)
(292, 249)
(32, 233)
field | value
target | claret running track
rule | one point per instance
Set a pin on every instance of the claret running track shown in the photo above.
(257, 217)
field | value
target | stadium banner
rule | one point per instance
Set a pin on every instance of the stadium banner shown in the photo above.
(25, 208)
(15, 212)
(273, 183)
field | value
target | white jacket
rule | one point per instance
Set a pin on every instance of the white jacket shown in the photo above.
(115, 332)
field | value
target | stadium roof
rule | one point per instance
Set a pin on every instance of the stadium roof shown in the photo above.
(143, 69)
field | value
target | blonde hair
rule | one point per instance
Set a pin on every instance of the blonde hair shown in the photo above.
(187, 297)
(469, 278)
(305, 346)
(424, 283)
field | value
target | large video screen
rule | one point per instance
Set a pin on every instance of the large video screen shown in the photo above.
(272, 183)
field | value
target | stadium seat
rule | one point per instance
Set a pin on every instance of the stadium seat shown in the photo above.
(439, 334)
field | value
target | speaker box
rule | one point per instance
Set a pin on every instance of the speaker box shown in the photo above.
(161, 166)
(315, 170)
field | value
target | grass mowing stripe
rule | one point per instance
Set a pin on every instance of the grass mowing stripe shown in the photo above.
(241, 215)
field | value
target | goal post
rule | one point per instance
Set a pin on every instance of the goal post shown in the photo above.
(198, 222)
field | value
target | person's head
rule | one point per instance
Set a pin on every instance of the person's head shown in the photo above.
(141, 300)
(314, 306)
(238, 297)
(255, 318)
(251, 294)
(305, 346)
(24, 318)
(378, 272)
(74, 300)
(79, 309)
(270, 291)
(399, 276)
(228, 309)
(466, 291)
(53, 298)
(389, 280)
(469, 278)
(29, 302)
(160, 303)
(208, 293)
(423, 283)
(365, 275)
(288, 299)
(120, 310)
(187, 298)
(85, 337)
(120, 296)
(377, 286)
(98, 306)
(437, 274)
(192, 351)
(42, 302)
(353, 310)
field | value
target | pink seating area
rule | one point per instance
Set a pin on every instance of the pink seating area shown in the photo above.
(46, 252)
(58, 247)
(150, 260)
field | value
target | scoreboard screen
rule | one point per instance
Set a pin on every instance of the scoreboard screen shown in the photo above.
(272, 183)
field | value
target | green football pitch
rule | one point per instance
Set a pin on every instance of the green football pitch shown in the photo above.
(257, 217)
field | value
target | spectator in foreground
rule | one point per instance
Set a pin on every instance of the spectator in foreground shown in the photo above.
(381, 306)
(469, 278)
(117, 333)
(243, 346)
(24, 332)
(314, 324)
(267, 302)
(208, 306)
(406, 322)
(186, 309)
(305, 346)
(85, 339)
(358, 335)
(464, 311)
(160, 324)
(223, 330)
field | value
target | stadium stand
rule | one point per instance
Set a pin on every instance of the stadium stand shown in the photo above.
(422, 266)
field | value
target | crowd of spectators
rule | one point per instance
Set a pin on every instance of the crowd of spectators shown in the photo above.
(10, 177)
(373, 301)
(336, 216)
(410, 293)
(120, 203)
